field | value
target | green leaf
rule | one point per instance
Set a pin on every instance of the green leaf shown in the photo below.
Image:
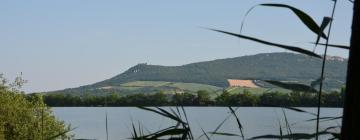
(305, 18)
(292, 48)
(292, 86)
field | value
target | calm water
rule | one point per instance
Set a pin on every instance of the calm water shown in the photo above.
(90, 121)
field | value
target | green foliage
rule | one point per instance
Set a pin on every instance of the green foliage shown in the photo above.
(27, 117)
(275, 99)
(202, 98)
(239, 99)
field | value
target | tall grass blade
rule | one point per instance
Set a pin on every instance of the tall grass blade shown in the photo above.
(225, 134)
(324, 23)
(134, 134)
(238, 122)
(280, 129)
(316, 82)
(288, 128)
(331, 127)
(152, 110)
(243, 20)
(305, 18)
(336, 136)
(157, 132)
(219, 126)
(178, 111)
(334, 45)
(162, 112)
(140, 129)
(292, 48)
(176, 114)
(171, 132)
(323, 119)
(299, 110)
(106, 126)
(204, 134)
(188, 126)
(174, 117)
(292, 86)
(323, 71)
(292, 136)
(222, 123)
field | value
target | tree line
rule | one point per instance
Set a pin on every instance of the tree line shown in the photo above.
(200, 98)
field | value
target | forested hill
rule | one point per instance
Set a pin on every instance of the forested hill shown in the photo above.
(267, 66)
(275, 66)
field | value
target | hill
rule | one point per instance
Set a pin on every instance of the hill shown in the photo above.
(267, 66)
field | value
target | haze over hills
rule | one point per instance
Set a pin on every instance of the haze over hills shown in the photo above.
(213, 75)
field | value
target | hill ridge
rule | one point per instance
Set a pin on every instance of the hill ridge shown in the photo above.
(264, 66)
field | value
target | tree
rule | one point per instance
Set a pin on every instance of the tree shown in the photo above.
(26, 117)
(248, 99)
(158, 99)
(223, 98)
(203, 98)
(183, 99)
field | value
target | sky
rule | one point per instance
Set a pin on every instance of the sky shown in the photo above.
(70, 43)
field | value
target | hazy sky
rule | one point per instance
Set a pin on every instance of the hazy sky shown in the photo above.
(69, 43)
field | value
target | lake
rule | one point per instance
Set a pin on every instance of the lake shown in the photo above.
(90, 121)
